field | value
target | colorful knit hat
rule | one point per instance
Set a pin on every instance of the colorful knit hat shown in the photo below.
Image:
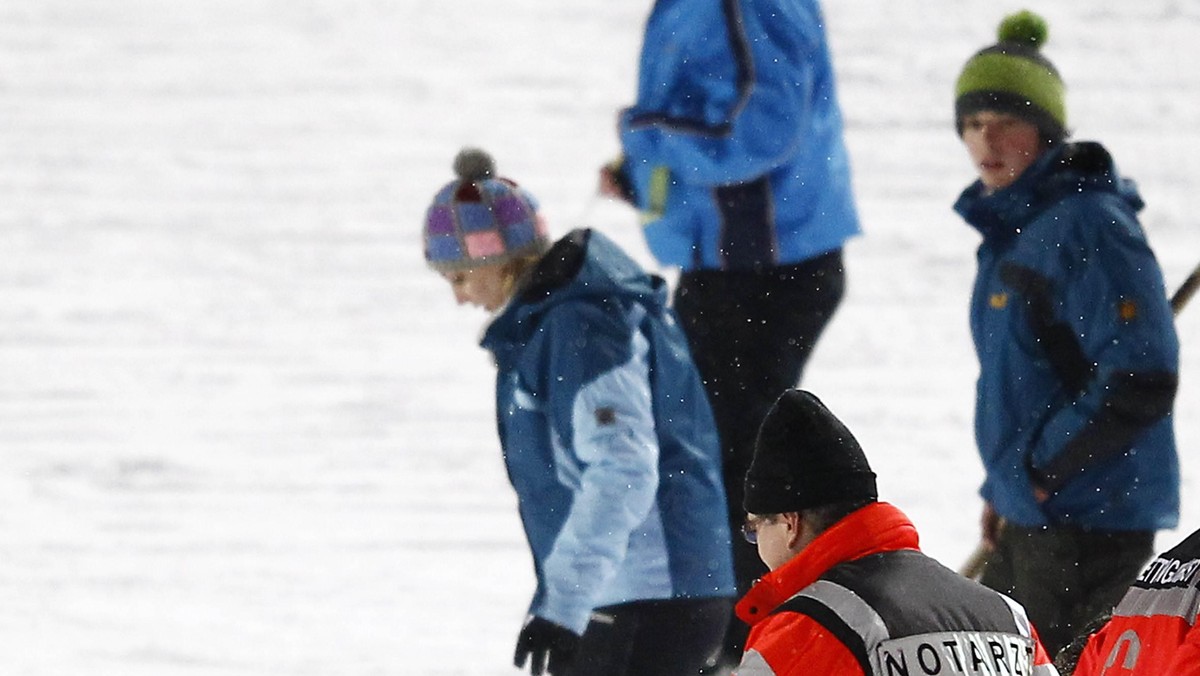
(1012, 76)
(481, 219)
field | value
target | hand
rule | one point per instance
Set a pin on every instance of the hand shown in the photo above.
(614, 182)
(551, 646)
(1038, 481)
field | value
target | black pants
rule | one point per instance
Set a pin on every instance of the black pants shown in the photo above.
(751, 334)
(1065, 576)
(652, 638)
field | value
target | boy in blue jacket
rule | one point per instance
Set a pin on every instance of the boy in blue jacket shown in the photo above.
(1076, 343)
(607, 436)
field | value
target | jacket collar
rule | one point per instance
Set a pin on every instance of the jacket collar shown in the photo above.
(878, 527)
(1068, 169)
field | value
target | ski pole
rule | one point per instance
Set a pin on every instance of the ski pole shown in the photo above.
(1186, 290)
(972, 568)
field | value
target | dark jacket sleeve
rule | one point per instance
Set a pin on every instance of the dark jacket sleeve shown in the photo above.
(1107, 328)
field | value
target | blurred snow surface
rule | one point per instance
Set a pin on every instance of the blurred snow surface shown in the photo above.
(244, 431)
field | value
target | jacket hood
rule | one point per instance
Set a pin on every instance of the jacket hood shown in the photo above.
(1070, 169)
(584, 264)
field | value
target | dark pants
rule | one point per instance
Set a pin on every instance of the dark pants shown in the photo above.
(652, 638)
(1065, 576)
(750, 335)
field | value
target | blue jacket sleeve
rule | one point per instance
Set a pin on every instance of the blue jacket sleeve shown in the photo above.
(1115, 305)
(725, 90)
(606, 451)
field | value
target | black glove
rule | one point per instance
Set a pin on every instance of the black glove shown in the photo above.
(550, 645)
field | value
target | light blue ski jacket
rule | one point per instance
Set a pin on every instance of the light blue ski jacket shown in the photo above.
(607, 437)
(1077, 349)
(734, 146)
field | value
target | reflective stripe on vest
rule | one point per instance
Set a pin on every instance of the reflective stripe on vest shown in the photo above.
(945, 653)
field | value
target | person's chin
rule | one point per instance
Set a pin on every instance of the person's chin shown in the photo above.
(995, 179)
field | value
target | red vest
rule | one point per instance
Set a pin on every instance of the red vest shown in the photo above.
(1153, 630)
(862, 599)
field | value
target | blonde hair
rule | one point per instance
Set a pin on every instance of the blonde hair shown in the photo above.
(516, 272)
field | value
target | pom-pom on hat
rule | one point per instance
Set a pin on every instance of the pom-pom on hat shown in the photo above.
(805, 457)
(480, 218)
(1012, 76)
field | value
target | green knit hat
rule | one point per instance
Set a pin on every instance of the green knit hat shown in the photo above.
(1012, 76)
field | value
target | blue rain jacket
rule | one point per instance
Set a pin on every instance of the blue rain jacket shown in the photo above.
(1077, 349)
(607, 437)
(734, 147)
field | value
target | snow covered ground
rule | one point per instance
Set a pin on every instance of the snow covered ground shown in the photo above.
(243, 431)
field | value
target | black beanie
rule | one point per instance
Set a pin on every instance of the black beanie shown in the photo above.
(805, 457)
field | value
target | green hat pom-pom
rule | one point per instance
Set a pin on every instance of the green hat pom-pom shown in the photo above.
(1024, 28)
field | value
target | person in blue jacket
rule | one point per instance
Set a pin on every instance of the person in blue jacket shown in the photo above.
(734, 153)
(607, 436)
(1076, 342)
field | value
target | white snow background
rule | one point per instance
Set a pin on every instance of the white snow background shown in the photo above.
(244, 431)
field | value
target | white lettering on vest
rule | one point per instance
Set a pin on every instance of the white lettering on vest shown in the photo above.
(967, 653)
(1166, 572)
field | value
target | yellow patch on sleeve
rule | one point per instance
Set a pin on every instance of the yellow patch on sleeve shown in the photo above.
(1127, 310)
(660, 182)
(998, 301)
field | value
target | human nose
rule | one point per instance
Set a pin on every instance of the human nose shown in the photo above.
(990, 132)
